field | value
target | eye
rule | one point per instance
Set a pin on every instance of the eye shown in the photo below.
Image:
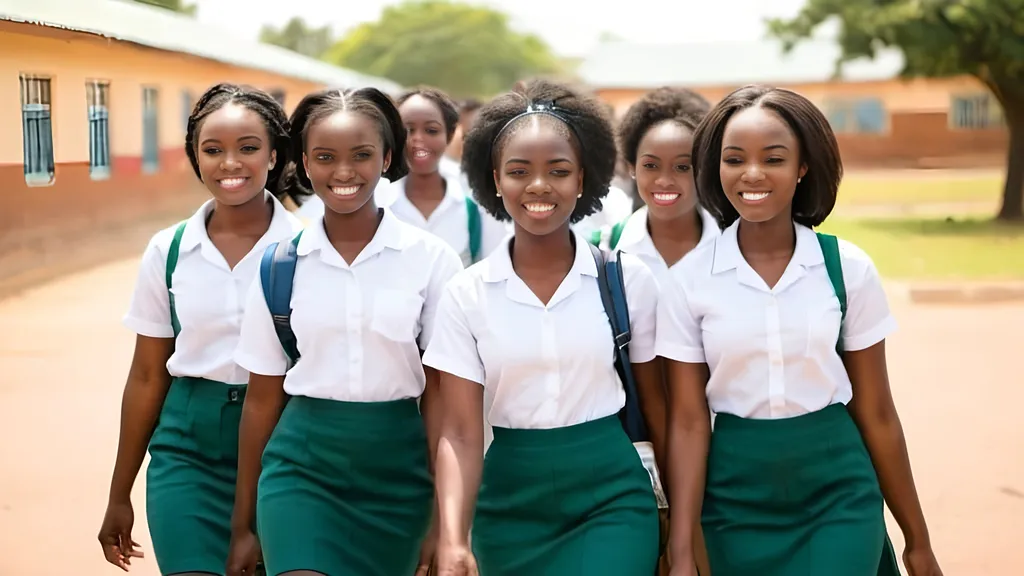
(651, 166)
(211, 150)
(516, 172)
(433, 131)
(775, 160)
(683, 167)
(560, 172)
(249, 148)
(732, 160)
(362, 155)
(324, 157)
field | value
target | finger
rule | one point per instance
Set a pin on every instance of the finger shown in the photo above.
(135, 553)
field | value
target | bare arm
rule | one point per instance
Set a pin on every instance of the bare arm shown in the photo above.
(430, 407)
(650, 383)
(459, 456)
(874, 412)
(264, 401)
(689, 431)
(143, 398)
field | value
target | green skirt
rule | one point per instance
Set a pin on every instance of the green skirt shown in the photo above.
(190, 482)
(345, 489)
(573, 501)
(794, 496)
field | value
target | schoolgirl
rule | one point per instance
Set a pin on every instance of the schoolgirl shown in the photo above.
(782, 332)
(344, 486)
(561, 490)
(183, 397)
(430, 199)
(656, 141)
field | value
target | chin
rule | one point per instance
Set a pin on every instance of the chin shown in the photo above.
(235, 197)
(344, 205)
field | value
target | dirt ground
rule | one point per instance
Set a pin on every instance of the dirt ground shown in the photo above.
(955, 371)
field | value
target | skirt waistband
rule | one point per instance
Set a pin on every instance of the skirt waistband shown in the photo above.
(368, 414)
(807, 424)
(208, 390)
(566, 436)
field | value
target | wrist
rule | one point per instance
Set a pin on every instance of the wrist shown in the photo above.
(119, 495)
(917, 540)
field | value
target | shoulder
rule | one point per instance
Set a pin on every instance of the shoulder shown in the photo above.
(858, 267)
(160, 243)
(421, 242)
(696, 265)
(633, 268)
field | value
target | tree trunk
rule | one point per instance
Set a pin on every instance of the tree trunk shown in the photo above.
(1012, 100)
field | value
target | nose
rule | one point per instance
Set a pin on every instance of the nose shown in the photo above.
(663, 180)
(230, 163)
(753, 173)
(344, 172)
(537, 185)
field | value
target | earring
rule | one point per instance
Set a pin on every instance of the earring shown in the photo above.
(798, 180)
(499, 193)
(580, 195)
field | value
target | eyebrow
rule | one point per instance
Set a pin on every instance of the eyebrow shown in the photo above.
(356, 147)
(770, 147)
(552, 161)
(246, 137)
(656, 157)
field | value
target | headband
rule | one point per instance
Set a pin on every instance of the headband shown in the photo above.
(546, 107)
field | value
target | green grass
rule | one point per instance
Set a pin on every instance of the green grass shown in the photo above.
(867, 190)
(937, 249)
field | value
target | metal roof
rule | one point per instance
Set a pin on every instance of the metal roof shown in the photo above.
(165, 30)
(727, 63)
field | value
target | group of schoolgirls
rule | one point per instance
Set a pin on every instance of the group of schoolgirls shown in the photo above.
(314, 398)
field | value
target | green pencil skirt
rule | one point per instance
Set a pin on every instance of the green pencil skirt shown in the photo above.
(794, 496)
(190, 482)
(572, 501)
(345, 489)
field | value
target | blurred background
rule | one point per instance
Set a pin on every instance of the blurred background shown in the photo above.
(926, 98)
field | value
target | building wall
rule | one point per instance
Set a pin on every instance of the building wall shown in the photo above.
(918, 131)
(38, 221)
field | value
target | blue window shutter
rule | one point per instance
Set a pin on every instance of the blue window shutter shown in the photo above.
(870, 116)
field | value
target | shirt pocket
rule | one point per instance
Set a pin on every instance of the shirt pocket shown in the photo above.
(824, 321)
(396, 315)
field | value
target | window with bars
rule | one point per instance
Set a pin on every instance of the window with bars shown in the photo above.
(857, 116)
(97, 96)
(975, 112)
(150, 130)
(36, 130)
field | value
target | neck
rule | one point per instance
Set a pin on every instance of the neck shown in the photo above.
(685, 228)
(549, 251)
(252, 217)
(358, 226)
(425, 186)
(776, 236)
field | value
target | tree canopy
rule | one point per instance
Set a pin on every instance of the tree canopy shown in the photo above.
(299, 37)
(172, 5)
(981, 38)
(464, 49)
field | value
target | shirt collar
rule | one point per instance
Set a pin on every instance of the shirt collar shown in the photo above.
(391, 234)
(727, 255)
(282, 223)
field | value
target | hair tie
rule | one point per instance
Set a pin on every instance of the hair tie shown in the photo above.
(546, 107)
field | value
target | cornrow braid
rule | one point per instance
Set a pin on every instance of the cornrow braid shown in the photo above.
(259, 102)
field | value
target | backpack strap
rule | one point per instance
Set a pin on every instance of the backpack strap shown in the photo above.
(473, 220)
(611, 284)
(834, 267)
(172, 264)
(596, 237)
(277, 273)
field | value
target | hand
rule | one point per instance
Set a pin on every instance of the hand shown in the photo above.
(243, 554)
(921, 562)
(428, 550)
(116, 535)
(455, 560)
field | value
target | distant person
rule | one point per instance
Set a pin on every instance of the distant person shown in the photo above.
(183, 398)
(561, 489)
(781, 331)
(453, 154)
(430, 199)
(334, 470)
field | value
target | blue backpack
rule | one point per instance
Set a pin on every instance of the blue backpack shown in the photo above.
(277, 272)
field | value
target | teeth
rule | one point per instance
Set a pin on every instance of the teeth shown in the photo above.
(344, 190)
(420, 154)
(232, 182)
(753, 196)
(665, 197)
(538, 207)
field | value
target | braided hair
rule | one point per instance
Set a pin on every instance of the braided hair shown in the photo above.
(581, 119)
(259, 102)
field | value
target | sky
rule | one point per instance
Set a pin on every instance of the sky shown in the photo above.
(570, 27)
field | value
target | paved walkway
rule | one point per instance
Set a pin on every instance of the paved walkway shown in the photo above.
(956, 373)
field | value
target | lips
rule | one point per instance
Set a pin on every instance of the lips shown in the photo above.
(233, 183)
(665, 198)
(539, 209)
(345, 191)
(420, 154)
(754, 197)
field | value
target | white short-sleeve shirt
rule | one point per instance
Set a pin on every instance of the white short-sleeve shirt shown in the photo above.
(208, 295)
(359, 327)
(615, 207)
(450, 220)
(544, 366)
(771, 351)
(636, 239)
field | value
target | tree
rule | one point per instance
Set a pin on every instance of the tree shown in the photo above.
(298, 37)
(172, 5)
(982, 38)
(464, 49)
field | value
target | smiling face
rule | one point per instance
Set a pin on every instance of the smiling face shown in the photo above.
(760, 164)
(344, 158)
(427, 135)
(234, 153)
(539, 176)
(663, 171)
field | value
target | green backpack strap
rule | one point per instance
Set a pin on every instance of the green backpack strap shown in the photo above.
(834, 267)
(616, 233)
(475, 229)
(595, 237)
(172, 263)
